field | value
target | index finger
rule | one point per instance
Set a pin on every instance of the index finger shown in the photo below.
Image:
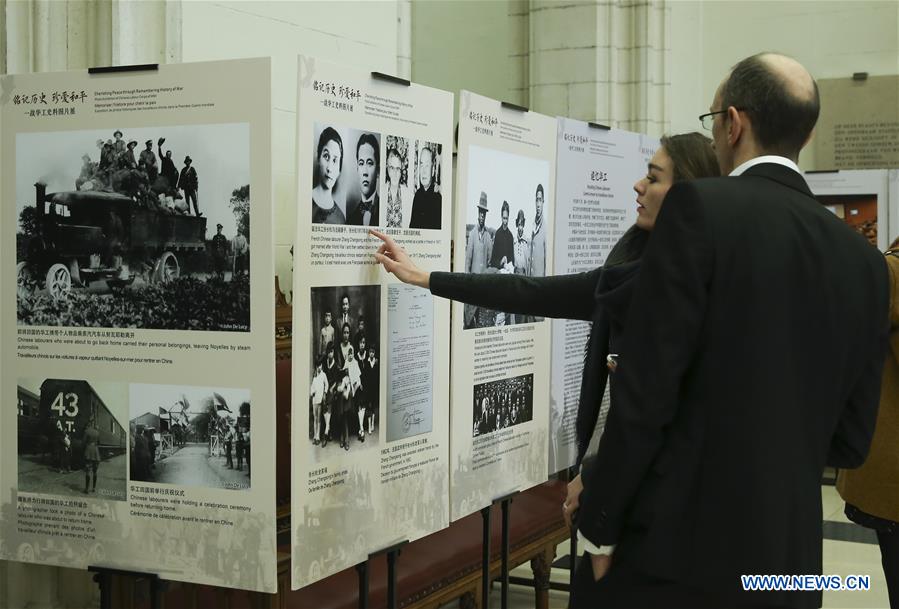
(385, 238)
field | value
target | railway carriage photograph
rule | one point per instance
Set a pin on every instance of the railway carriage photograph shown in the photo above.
(110, 238)
(70, 438)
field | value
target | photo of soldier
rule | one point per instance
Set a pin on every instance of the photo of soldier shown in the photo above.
(69, 428)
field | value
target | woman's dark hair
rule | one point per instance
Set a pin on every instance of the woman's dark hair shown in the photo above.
(692, 157)
(328, 135)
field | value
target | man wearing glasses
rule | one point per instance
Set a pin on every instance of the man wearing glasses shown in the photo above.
(755, 343)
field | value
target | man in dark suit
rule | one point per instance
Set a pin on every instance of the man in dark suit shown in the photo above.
(751, 359)
(365, 213)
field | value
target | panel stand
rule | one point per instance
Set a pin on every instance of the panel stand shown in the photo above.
(505, 503)
(572, 474)
(393, 553)
(485, 559)
(103, 577)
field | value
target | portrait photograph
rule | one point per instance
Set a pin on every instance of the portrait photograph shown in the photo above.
(346, 176)
(427, 198)
(397, 190)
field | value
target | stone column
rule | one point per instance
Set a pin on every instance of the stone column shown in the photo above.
(600, 61)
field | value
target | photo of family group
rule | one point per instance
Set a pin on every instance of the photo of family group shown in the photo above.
(360, 178)
(344, 394)
(504, 188)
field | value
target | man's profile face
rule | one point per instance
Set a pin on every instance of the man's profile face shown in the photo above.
(425, 165)
(368, 170)
(482, 216)
(506, 218)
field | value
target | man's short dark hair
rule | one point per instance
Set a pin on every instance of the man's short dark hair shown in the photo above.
(368, 138)
(539, 191)
(781, 121)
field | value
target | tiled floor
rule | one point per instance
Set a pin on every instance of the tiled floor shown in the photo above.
(840, 558)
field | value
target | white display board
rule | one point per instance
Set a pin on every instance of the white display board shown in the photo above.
(596, 169)
(859, 197)
(893, 208)
(501, 361)
(370, 436)
(137, 335)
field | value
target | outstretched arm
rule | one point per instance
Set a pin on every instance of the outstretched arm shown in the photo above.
(566, 296)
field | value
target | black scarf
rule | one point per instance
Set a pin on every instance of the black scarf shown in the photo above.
(612, 296)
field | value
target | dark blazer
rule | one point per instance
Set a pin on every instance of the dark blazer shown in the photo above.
(752, 359)
(754, 343)
(355, 216)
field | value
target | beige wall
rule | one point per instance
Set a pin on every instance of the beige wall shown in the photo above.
(468, 45)
(832, 39)
(363, 34)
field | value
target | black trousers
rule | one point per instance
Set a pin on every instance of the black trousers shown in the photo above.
(889, 556)
(625, 587)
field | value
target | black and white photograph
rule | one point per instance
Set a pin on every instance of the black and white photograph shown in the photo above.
(507, 207)
(190, 436)
(346, 173)
(344, 392)
(501, 404)
(70, 438)
(399, 181)
(427, 198)
(134, 228)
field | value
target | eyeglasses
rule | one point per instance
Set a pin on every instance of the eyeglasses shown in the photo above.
(708, 120)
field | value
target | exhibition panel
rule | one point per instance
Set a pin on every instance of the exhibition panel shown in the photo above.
(596, 168)
(860, 197)
(141, 336)
(501, 360)
(371, 355)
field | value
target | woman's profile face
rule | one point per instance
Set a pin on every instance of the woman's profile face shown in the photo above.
(652, 188)
(329, 164)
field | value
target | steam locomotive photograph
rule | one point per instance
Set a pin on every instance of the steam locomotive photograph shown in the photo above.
(70, 437)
